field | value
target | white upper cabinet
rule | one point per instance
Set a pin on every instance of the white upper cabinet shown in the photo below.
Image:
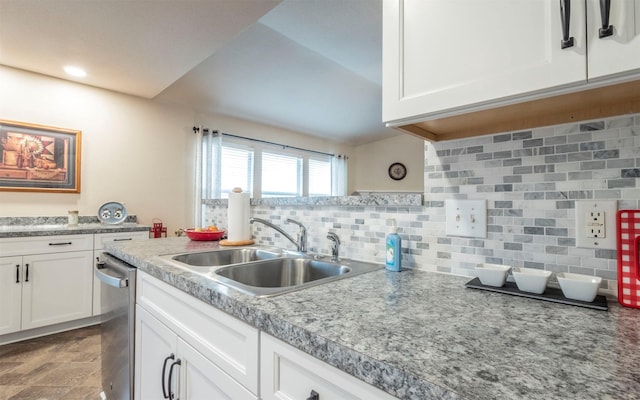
(449, 57)
(620, 52)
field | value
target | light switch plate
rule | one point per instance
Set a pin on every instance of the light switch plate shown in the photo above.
(466, 218)
(595, 224)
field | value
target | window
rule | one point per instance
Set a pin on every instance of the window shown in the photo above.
(266, 170)
(236, 169)
(320, 177)
(281, 175)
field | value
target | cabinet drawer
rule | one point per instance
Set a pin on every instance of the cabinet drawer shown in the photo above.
(45, 244)
(228, 342)
(288, 373)
(102, 238)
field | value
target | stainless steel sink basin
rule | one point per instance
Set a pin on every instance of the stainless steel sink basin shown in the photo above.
(226, 257)
(265, 271)
(287, 274)
(282, 272)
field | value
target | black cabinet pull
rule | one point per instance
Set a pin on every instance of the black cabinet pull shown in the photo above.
(17, 273)
(60, 244)
(313, 395)
(122, 240)
(565, 18)
(173, 364)
(605, 11)
(26, 273)
(164, 369)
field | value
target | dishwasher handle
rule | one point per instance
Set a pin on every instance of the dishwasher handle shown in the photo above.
(108, 279)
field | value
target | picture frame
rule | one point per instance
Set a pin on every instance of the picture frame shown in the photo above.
(39, 158)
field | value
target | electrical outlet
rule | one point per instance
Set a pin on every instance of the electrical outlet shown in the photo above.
(595, 221)
(466, 218)
(596, 224)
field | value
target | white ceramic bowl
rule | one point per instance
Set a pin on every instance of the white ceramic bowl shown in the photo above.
(531, 280)
(579, 287)
(492, 274)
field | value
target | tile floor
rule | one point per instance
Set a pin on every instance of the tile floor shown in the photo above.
(61, 366)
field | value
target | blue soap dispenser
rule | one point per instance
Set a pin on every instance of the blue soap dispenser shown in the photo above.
(394, 249)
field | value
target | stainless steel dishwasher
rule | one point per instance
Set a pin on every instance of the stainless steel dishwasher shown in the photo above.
(118, 297)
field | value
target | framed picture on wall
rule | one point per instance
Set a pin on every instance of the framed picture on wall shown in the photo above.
(37, 158)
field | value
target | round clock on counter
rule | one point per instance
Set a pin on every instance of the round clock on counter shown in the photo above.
(397, 171)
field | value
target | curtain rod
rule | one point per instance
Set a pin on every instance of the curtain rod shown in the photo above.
(205, 131)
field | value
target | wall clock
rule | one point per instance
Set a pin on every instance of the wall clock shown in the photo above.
(397, 171)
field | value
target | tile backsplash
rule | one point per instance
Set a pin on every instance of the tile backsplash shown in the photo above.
(531, 181)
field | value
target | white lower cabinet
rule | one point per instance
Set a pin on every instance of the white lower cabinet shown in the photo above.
(168, 367)
(10, 294)
(50, 285)
(189, 348)
(287, 373)
(58, 288)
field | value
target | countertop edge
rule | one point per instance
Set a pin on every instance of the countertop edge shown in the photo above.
(29, 231)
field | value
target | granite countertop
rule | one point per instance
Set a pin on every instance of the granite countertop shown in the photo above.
(423, 335)
(50, 226)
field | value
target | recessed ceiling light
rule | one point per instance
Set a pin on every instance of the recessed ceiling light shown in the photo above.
(75, 71)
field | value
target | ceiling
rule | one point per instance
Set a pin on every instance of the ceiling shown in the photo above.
(312, 66)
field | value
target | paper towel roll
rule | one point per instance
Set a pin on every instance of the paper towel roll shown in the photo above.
(238, 228)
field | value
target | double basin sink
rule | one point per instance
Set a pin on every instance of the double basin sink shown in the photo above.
(267, 271)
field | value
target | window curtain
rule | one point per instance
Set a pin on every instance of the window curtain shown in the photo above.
(339, 175)
(208, 161)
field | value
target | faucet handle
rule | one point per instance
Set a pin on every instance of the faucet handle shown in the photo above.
(333, 237)
(335, 246)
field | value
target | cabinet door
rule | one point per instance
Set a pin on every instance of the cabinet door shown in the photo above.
(440, 56)
(56, 288)
(10, 294)
(288, 373)
(155, 343)
(619, 53)
(228, 342)
(202, 379)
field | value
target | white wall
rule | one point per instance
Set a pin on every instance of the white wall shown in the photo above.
(372, 163)
(133, 150)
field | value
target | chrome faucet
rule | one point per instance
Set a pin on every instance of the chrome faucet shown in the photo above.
(335, 246)
(301, 242)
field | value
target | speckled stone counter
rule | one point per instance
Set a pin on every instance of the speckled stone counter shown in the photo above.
(422, 335)
(51, 226)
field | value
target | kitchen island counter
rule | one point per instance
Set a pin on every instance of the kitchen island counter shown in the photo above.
(423, 335)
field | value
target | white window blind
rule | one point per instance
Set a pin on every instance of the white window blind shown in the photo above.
(319, 177)
(281, 175)
(236, 169)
